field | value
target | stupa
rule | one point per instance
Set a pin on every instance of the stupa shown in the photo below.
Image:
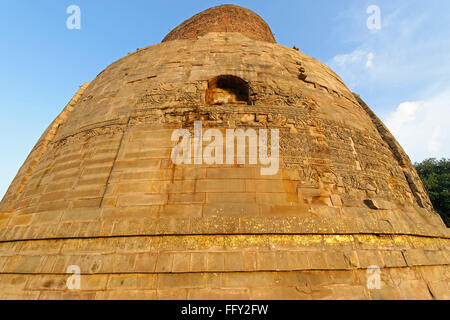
(345, 216)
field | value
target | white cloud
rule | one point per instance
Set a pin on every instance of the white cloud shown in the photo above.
(435, 144)
(402, 71)
(356, 58)
(353, 58)
(409, 50)
(406, 112)
(351, 66)
(418, 126)
(370, 57)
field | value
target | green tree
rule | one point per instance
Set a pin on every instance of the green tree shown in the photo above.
(435, 175)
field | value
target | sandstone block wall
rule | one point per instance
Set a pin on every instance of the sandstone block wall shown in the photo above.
(100, 191)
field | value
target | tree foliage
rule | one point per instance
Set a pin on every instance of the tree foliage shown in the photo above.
(435, 175)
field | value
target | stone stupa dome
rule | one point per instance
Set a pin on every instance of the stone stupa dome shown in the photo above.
(225, 18)
(100, 190)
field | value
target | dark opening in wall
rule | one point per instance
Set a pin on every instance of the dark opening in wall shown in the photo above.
(227, 90)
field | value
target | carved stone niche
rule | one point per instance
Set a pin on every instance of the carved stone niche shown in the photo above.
(227, 89)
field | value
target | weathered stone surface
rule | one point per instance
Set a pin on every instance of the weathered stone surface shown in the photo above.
(99, 189)
(226, 18)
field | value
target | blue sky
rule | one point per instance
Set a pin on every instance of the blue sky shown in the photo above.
(401, 70)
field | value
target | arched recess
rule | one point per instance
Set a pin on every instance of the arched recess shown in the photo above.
(227, 89)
